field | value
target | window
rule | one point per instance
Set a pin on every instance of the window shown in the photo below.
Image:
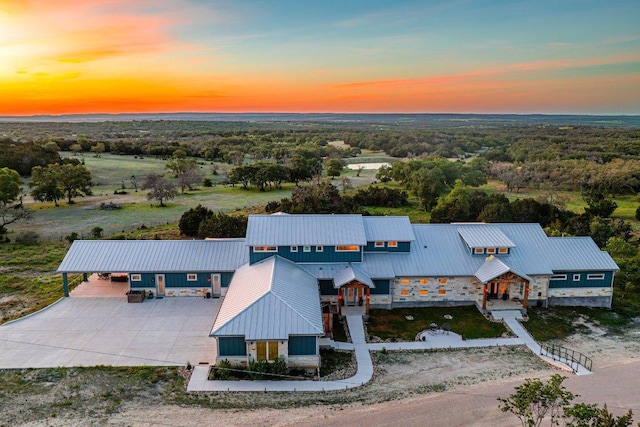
(379, 244)
(404, 292)
(503, 250)
(424, 292)
(595, 276)
(478, 250)
(306, 248)
(192, 277)
(265, 249)
(294, 249)
(424, 281)
(558, 277)
(267, 350)
(576, 277)
(136, 277)
(404, 281)
(442, 291)
(443, 280)
(347, 248)
(392, 244)
(319, 248)
(491, 250)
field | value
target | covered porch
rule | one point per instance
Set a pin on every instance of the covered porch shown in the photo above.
(503, 288)
(354, 294)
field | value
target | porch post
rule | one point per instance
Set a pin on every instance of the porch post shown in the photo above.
(484, 297)
(340, 301)
(65, 284)
(368, 297)
(525, 299)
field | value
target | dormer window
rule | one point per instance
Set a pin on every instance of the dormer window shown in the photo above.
(265, 249)
(491, 250)
(306, 248)
(347, 248)
(294, 249)
(392, 244)
(319, 248)
(478, 250)
(503, 251)
(379, 244)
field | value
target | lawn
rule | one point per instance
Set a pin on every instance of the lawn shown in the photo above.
(466, 321)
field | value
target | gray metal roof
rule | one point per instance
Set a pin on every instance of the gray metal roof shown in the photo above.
(484, 236)
(349, 273)
(270, 300)
(578, 253)
(324, 271)
(388, 228)
(493, 267)
(142, 256)
(286, 230)
(379, 264)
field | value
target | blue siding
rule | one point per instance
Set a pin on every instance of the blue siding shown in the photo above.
(232, 346)
(179, 280)
(328, 254)
(382, 287)
(148, 281)
(326, 287)
(402, 247)
(582, 282)
(302, 346)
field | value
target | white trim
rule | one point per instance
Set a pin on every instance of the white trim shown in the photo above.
(491, 250)
(293, 249)
(595, 276)
(576, 277)
(558, 277)
(137, 277)
(378, 244)
(192, 277)
(257, 249)
(306, 248)
(392, 244)
(319, 248)
(478, 251)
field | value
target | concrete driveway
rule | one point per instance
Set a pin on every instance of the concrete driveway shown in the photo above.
(109, 331)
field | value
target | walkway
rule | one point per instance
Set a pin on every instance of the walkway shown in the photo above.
(439, 340)
(510, 318)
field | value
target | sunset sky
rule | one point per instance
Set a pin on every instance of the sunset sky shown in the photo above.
(476, 56)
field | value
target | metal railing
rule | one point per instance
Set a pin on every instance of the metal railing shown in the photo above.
(571, 358)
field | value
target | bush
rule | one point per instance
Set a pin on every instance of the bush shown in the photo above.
(96, 232)
(206, 182)
(28, 238)
(71, 237)
(222, 371)
(190, 221)
(278, 367)
(257, 369)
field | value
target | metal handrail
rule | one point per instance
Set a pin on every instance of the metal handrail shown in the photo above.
(571, 358)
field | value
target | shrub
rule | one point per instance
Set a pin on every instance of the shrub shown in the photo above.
(222, 369)
(278, 367)
(28, 238)
(96, 232)
(71, 237)
(206, 182)
(257, 369)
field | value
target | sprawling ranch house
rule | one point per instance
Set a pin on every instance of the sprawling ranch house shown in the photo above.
(289, 269)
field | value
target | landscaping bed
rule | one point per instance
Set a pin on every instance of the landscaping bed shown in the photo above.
(404, 324)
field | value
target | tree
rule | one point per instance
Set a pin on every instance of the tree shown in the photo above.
(599, 204)
(221, 225)
(184, 169)
(190, 221)
(534, 400)
(44, 184)
(161, 189)
(75, 180)
(586, 415)
(334, 167)
(10, 186)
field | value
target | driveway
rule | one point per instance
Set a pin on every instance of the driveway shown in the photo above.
(93, 331)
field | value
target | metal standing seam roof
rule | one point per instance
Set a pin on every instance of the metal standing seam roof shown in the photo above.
(388, 228)
(578, 253)
(270, 300)
(349, 273)
(142, 256)
(305, 229)
(484, 236)
(493, 267)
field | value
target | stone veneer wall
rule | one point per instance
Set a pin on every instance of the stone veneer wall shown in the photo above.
(592, 297)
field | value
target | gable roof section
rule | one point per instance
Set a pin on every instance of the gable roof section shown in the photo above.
(349, 273)
(305, 230)
(150, 256)
(386, 228)
(270, 300)
(484, 236)
(493, 267)
(578, 253)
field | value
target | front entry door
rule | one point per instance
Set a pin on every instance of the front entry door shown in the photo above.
(160, 285)
(215, 285)
(351, 296)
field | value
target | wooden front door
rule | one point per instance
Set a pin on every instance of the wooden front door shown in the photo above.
(160, 285)
(351, 296)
